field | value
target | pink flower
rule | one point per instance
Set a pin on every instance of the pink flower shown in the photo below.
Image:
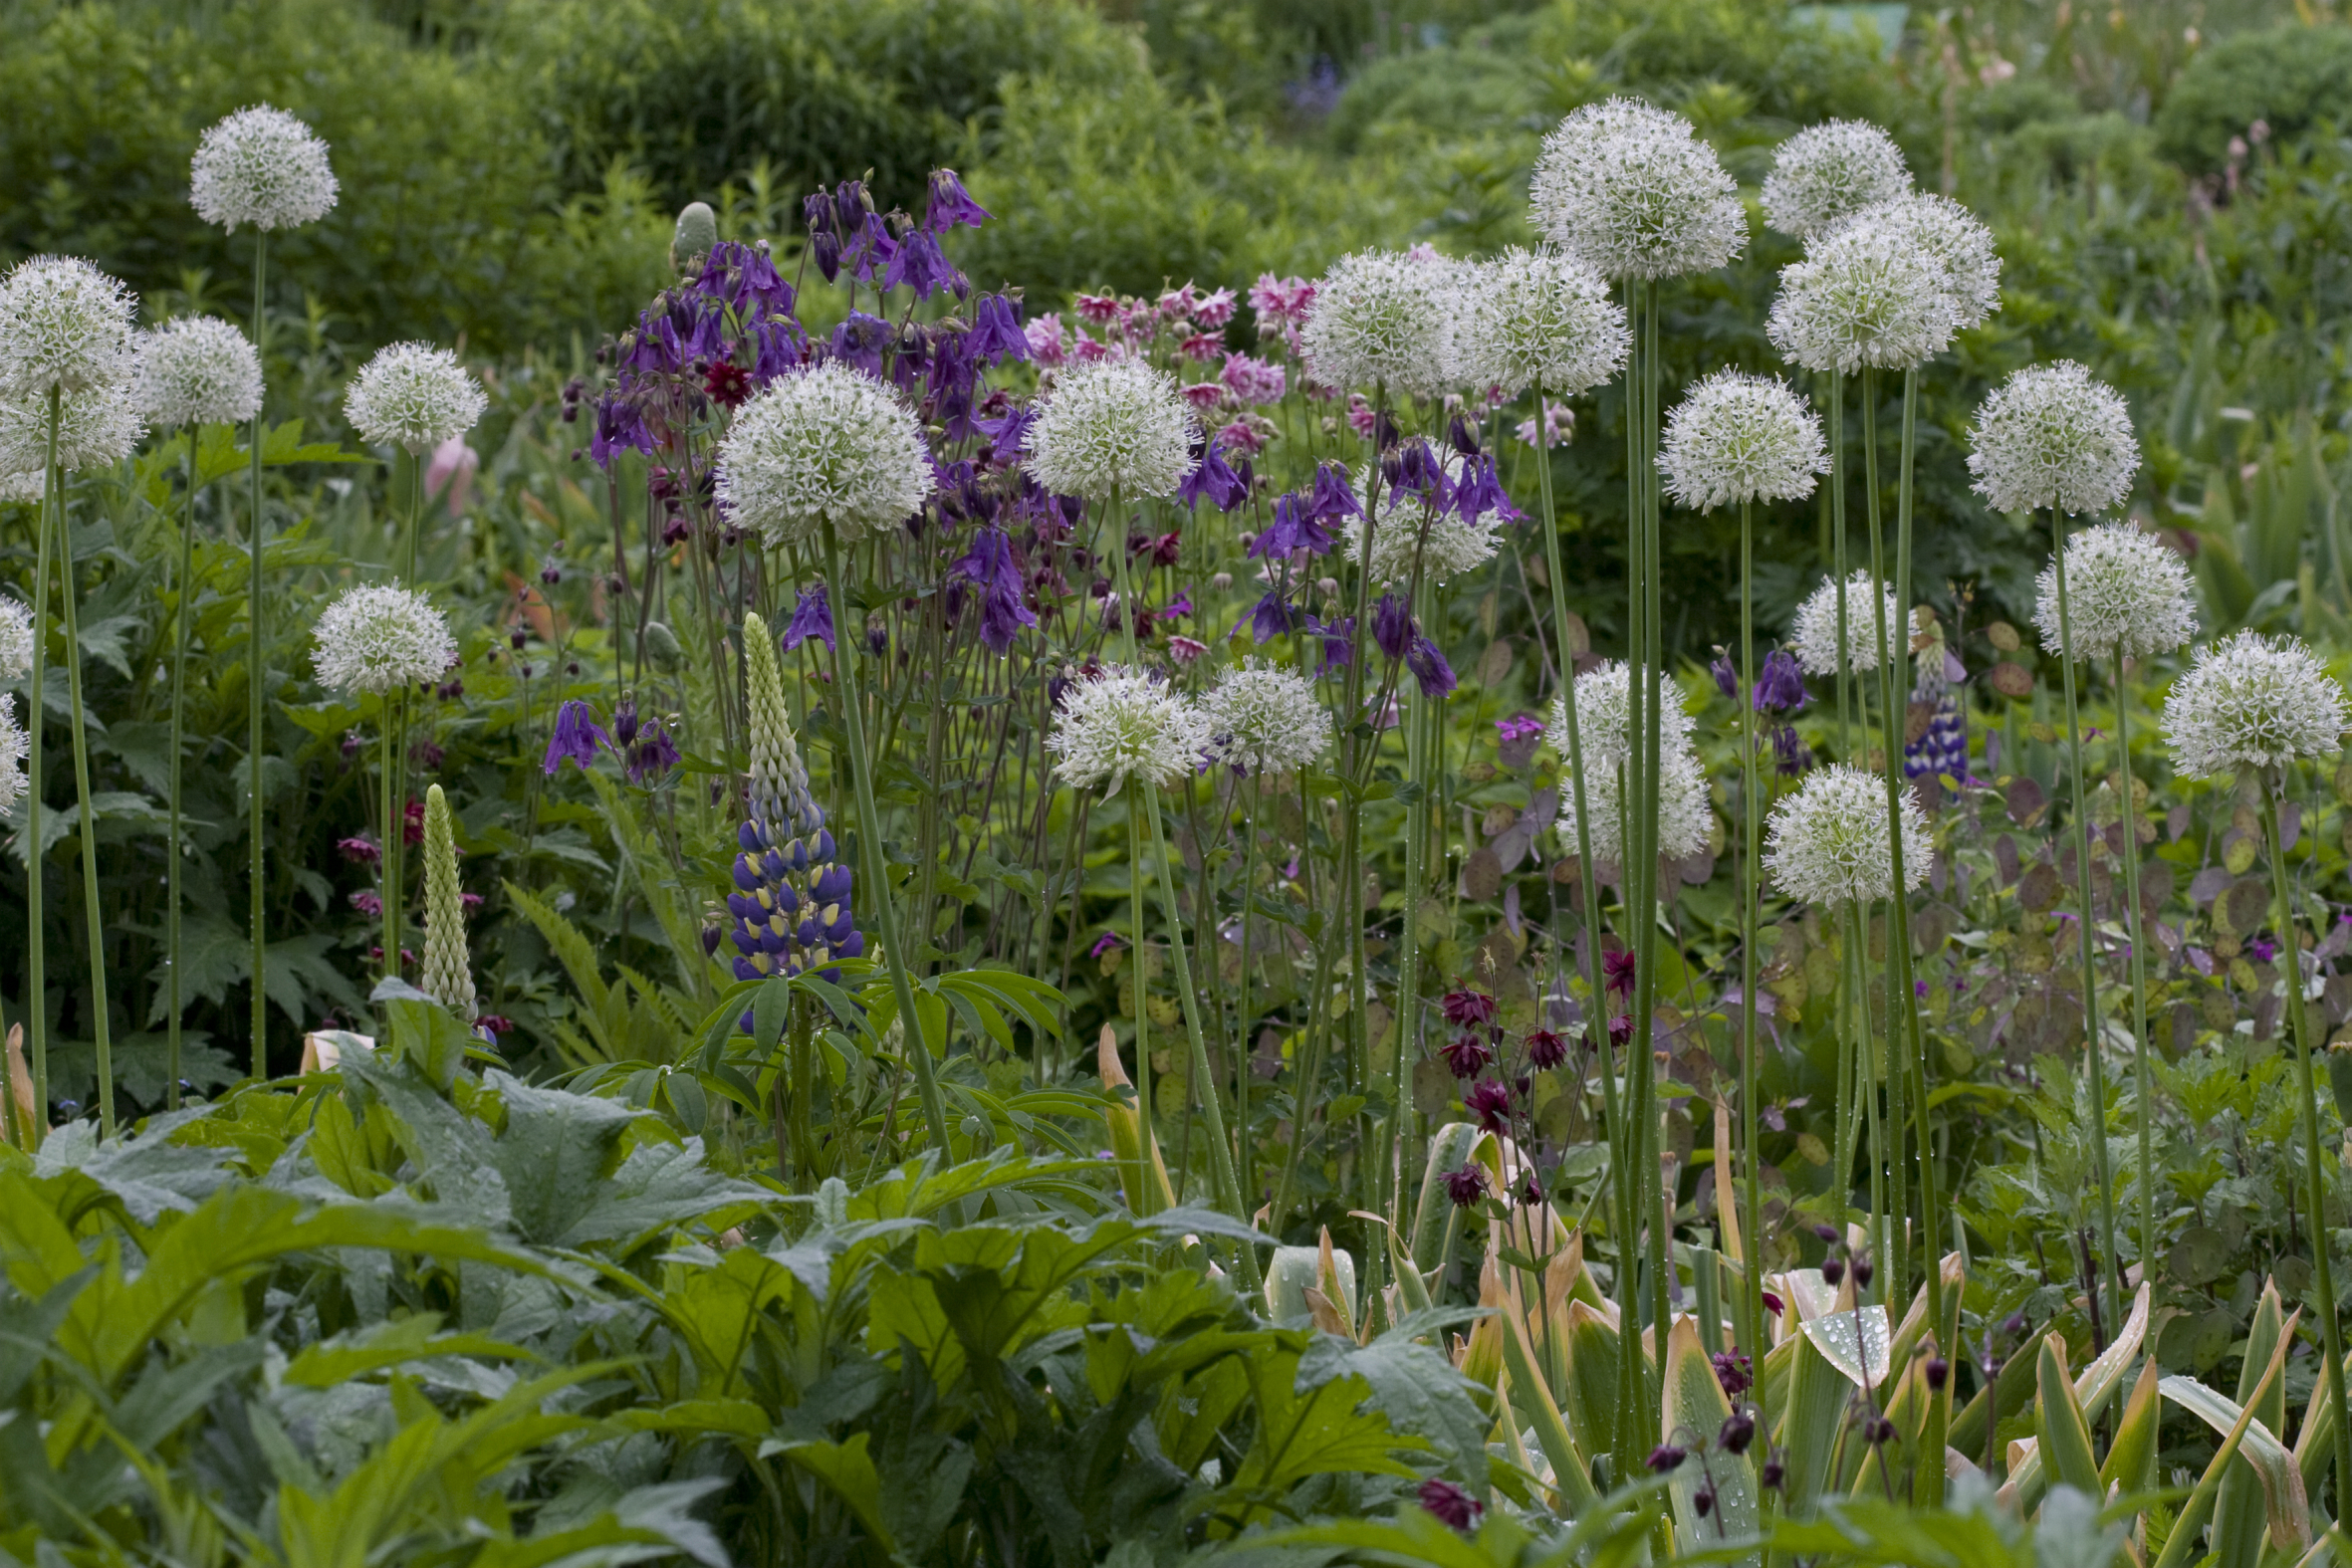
(1254, 380)
(1423, 252)
(359, 851)
(1280, 300)
(1098, 309)
(1177, 302)
(470, 901)
(1213, 310)
(1559, 421)
(1203, 346)
(368, 903)
(1086, 350)
(1239, 437)
(1205, 396)
(452, 467)
(1184, 650)
(1046, 341)
(1361, 416)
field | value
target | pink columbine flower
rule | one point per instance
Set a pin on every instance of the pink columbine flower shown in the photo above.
(1098, 309)
(1254, 380)
(1240, 437)
(1213, 310)
(1047, 345)
(1203, 346)
(1184, 650)
(1178, 302)
(1360, 415)
(1559, 423)
(1086, 350)
(1205, 396)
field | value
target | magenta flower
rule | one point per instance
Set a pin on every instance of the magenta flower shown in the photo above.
(1466, 1008)
(1098, 309)
(1110, 941)
(1546, 1049)
(368, 903)
(1254, 380)
(1465, 1055)
(1519, 727)
(1466, 1185)
(359, 851)
(1204, 397)
(1617, 966)
(1213, 310)
(1047, 345)
(1451, 1507)
(1489, 1104)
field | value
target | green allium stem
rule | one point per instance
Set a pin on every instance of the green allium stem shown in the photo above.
(101, 1021)
(1750, 1310)
(182, 615)
(2143, 1084)
(37, 946)
(255, 678)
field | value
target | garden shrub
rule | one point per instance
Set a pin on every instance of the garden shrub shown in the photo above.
(2292, 77)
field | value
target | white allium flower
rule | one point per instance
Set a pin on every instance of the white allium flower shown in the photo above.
(1955, 240)
(2252, 702)
(64, 325)
(2052, 435)
(1634, 192)
(1114, 424)
(379, 638)
(1604, 703)
(829, 444)
(1736, 438)
(1684, 815)
(2124, 589)
(12, 758)
(414, 396)
(1813, 637)
(1123, 723)
(1265, 720)
(1539, 318)
(1383, 318)
(1410, 532)
(1828, 843)
(264, 167)
(16, 639)
(1827, 171)
(1862, 295)
(196, 370)
(21, 489)
(96, 429)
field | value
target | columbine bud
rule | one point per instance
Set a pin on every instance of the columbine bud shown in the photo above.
(1938, 1369)
(1666, 1458)
(1833, 1270)
(1863, 1270)
(1738, 1431)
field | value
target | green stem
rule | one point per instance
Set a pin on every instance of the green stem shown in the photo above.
(387, 898)
(2315, 1152)
(1242, 1021)
(37, 949)
(184, 615)
(1891, 646)
(873, 867)
(1228, 1190)
(1837, 557)
(2143, 1085)
(1645, 913)
(1750, 1313)
(100, 1015)
(1140, 990)
(2095, 1054)
(255, 678)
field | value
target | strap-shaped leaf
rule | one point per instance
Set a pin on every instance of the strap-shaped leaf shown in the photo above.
(2065, 1437)
(2182, 1541)
(1693, 1407)
(2288, 1509)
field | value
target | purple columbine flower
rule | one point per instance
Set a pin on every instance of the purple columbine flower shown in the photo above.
(990, 563)
(625, 722)
(1781, 685)
(922, 266)
(951, 204)
(1271, 619)
(1790, 752)
(1335, 497)
(860, 340)
(1007, 433)
(577, 737)
(1338, 640)
(1481, 491)
(778, 345)
(813, 617)
(1727, 679)
(651, 759)
(619, 427)
(1428, 667)
(997, 333)
(1211, 476)
(1393, 625)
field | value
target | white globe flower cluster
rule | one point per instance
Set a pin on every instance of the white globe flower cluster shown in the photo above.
(379, 638)
(1412, 535)
(263, 168)
(2253, 704)
(1863, 295)
(1115, 425)
(65, 335)
(1739, 438)
(414, 396)
(2126, 592)
(829, 444)
(1264, 721)
(1829, 842)
(1538, 319)
(1605, 737)
(1125, 724)
(1955, 241)
(196, 370)
(1828, 172)
(94, 430)
(1633, 191)
(1383, 319)
(2054, 436)
(1813, 637)
(16, 661)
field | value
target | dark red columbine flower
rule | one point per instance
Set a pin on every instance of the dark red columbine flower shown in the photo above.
(1531, 1192)
(494, 1023)
(1464, 1008)
(1734, 1371)
(1616, 967)
(1454, 1508)
(1547, 1050)
(1737, 1431)
(413, 833)
(1466, 1185)
(1489, 1103)
(1621, 1030)
(1666, 1458)
(359, 851)
(1465, 1055)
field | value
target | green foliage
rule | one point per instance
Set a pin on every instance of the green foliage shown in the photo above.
(2294, 79)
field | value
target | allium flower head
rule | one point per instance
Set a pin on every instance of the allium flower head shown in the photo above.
(262, 168)
(1737, 438)
(2125, 591)
(827, 444)
(379, 638)
(2252, 702)
(1636, 193)
(96, 429)
(195, 370)
(414, 396)
(16, 639)
(2053, 436)
(1955, 240)
(1827, 844)
(1814, 637)
(1263, 719)
(1684, 817)
(1113, 424)
(1410, 531)
(1122, 723)
(64, 326)
(1825, 173)
(21, 489)
(12, 758)
(1862, 295)
(1538, 319)
(448, 969)
(1382, 319)
(1604, 701)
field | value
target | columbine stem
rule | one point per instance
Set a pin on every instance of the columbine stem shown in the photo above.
(255, 678)
(100, 1021)
(180, 696)
(2143, 1086)
(872, 869)
(2316, 1161)
(2096, 1052)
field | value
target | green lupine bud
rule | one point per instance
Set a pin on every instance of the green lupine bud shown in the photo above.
(779, 778)
(448, 973)
(698, 232)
